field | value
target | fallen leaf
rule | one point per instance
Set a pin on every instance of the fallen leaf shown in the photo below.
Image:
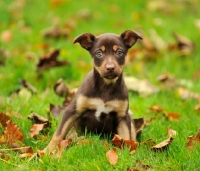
(25, 155)
(35, 129)
(61, 147)
(60, 88)
(156, 108)
(3, 119)
(3, 55)
(129, 169)
(171, 132)
(184, 45)
(132, 145)
(192, 140)
(143, 87)
(37, 119)
(4, 156)
(167, 80)
(112, 156)
(12, 133)
(6, 36)
(163, 145)
(19, 147)
(139, 165)
(50, 60)
(118, 141)
(186, 94)
(64, 144)
(173, 116)
(55, 32)
(27, 85)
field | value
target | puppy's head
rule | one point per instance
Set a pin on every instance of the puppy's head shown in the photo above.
(108, 51)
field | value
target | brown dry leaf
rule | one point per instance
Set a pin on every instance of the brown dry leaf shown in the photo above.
(35, 129)
(50, 60)
(60, 88)
(64, 144)
(12, 133)
(25, 155)
(4, 156)
(173, 116)
(129, 169)
(156, 108)
(112, 156)
(27, 85)
(167, 80)
(132, 145)
(184, 45)
(171, 132)
(192, 140)
(35, 118)
(19, 147)
(143, 87)
(186, 94)
(118, 141)
(139, 165)
(7, 36)
(163, 145)
(3, 119)
(61, 147)
(55, 32)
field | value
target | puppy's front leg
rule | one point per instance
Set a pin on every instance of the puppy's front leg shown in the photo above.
(68, 120)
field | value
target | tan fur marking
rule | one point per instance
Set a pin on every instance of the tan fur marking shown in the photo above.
(115, 47)
(84, 103)
(110, 81)
(103, 48)
(123, 130)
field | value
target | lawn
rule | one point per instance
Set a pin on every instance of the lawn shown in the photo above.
(25, 38)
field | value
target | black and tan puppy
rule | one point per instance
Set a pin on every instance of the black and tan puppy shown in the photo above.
(101, 104)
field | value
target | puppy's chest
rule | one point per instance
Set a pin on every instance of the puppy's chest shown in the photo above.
(100, 107)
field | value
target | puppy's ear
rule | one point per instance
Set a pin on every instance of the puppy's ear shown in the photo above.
(129, 38)
(86, 40)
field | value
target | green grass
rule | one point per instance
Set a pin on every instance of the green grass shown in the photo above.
(26, 22)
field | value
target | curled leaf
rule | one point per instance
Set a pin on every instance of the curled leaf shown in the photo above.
(163, 145)
(192, 140)
(171, 132)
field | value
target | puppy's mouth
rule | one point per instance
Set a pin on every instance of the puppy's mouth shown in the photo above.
(110, 76)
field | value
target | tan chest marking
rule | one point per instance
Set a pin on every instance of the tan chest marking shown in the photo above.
(84, 103)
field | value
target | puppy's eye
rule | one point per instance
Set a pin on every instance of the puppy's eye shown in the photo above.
(119, 52)
(98, 53)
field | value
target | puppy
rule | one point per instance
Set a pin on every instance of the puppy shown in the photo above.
(101, 104)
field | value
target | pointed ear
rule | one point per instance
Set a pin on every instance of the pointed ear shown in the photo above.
(129, 38)
(86, 40)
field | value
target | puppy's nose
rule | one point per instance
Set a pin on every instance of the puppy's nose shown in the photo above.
(110, 67)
